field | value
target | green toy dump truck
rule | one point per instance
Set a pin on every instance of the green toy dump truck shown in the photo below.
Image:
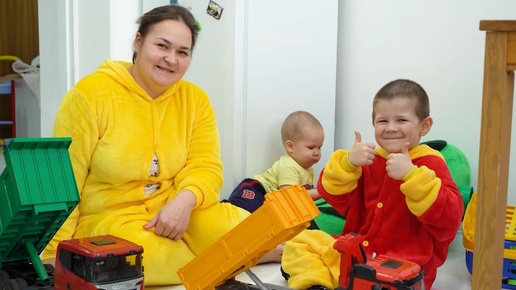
(37, 193)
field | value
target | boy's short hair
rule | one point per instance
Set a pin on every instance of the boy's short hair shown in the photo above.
(293, 125)
(405, 89)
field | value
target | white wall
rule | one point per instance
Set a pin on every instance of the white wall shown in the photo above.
(436, 43)
(291, 65)
(56, 57)
(27, 109)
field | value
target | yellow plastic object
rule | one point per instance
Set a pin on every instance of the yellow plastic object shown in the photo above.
(8, 57)
(468, 227)
(283, 215)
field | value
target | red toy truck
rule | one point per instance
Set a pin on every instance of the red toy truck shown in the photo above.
(380, 273)
(102, 262)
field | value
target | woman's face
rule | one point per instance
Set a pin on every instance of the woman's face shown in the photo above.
(163, 56)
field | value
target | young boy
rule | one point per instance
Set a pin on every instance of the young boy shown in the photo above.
(302, 136)
(400, 197)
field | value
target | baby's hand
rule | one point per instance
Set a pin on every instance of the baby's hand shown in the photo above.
(361, 153)
(399, 164)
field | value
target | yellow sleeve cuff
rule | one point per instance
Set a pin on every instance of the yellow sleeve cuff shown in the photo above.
(411, 173)
(346, 165)
(199, 196)
(421, 188)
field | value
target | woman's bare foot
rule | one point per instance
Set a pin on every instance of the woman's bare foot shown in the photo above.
(272, 256)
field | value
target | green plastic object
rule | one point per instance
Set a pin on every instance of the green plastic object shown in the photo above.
(458, 164)
(329, 220)
(37, 193)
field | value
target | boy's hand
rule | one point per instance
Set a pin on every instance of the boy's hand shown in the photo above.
(399, 164)
(361, 153)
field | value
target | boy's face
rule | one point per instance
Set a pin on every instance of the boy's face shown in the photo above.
(396, 123)
(307, 149)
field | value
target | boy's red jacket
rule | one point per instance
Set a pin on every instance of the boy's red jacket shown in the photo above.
(414, 219)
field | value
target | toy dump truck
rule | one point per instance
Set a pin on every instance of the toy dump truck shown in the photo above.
(284, 214)
(37, 193)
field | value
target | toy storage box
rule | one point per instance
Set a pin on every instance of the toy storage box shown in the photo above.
(509, 254)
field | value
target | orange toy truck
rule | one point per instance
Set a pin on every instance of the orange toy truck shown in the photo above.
(284, 214)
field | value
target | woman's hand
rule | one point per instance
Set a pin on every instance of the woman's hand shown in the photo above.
(173, 218)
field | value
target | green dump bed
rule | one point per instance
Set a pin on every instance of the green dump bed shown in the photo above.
(37, 193)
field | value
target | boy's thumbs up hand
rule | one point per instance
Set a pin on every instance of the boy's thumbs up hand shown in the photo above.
(361, 153)
(399, 164)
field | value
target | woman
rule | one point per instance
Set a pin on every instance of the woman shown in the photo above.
(145, 151)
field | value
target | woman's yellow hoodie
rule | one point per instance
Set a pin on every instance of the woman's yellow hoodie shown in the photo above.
(116, 130)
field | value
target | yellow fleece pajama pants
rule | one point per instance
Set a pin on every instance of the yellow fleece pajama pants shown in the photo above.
(162, 256)
(309, 259)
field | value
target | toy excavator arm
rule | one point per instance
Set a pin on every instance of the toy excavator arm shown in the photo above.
(351, 254)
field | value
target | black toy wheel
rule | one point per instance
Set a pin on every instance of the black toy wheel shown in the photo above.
(4, 276)
(49, 268)
(13, 284)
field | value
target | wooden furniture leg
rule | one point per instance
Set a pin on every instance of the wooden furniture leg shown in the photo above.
(494, 152)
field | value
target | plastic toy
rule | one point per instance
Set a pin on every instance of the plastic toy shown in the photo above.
(381, 272)
(284, 214)
(37, 193)
(98, 262)
(458, 164)
(509, 252)
(329, 221)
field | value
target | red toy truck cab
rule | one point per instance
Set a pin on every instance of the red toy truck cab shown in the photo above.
(380, 273)
(102, 262)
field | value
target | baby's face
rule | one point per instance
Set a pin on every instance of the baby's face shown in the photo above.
(307, 149)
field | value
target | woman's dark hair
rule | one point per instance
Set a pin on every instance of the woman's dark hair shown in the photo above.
(167, 12)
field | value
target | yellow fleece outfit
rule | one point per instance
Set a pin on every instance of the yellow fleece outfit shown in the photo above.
(311, 249)
(117, 130)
